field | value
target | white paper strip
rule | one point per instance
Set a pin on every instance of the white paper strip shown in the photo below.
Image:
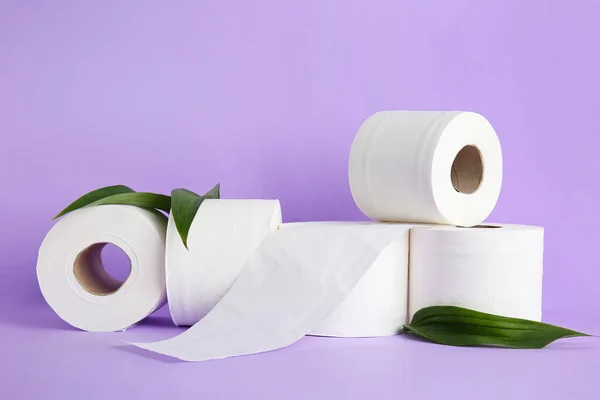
(294, 281)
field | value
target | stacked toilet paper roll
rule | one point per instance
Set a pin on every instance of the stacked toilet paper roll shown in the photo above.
(248, 283)
(426, 166)
(491, 268)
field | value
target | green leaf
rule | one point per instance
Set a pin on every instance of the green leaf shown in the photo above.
(139, 199)
(185, 205)
(456, 326)
(93, 196)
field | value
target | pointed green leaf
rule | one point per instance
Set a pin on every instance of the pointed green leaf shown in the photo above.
(139, 199)
(93, 196)
(456, 326)
(185, 205)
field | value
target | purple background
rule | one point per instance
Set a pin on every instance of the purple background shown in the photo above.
(265, 97)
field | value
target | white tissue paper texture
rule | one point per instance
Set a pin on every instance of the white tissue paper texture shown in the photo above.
(495, 269)
(296, 279)
(377, 306)
(222, 237)
(438, 167)
(73, 280)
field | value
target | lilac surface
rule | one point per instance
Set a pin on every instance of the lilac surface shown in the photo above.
(265, 97)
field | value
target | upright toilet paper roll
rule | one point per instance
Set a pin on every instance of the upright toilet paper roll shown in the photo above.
(222, 237)
(377, 306)
(495, 269)
(426, 166)
(297, 277)
(73, 280)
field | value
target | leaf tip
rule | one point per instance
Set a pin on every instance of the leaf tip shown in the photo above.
(215, 192)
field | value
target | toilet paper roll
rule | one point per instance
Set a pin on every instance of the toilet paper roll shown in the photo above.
(73, 280)
(222, 237)
(426, 166)
(495, 269)
(297, 278)
(377, 306)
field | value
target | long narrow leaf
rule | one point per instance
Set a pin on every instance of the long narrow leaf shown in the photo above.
(94, 196)
(185, 205)
(456, 326)
(139, 199)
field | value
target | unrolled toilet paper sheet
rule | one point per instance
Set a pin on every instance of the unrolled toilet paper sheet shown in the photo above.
(294, 281)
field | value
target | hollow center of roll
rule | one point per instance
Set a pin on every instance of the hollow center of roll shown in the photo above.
(91, 274)
(467, 170)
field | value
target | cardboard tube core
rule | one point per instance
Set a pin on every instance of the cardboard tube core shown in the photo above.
(467, 170)
(90, 273)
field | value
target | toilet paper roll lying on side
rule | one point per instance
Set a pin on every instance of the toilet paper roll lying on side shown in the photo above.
(495, 269)
(222, 237)
(73, 280)
(426, 166)
(297, 277)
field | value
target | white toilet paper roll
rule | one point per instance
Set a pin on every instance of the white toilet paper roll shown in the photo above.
(222, 237)
(426, 166)
(73, 280)
(297, 277)
(377, 306)
(495, 269)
